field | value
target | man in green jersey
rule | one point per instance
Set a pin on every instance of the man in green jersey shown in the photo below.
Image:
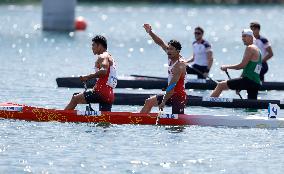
(251, 65)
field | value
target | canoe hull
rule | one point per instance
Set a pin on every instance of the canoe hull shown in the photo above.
(28, 113)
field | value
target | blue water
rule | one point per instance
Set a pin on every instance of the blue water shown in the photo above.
(31, 60)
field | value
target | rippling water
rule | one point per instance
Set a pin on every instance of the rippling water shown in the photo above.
(31, 60)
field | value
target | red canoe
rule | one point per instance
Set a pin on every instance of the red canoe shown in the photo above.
(29, 113)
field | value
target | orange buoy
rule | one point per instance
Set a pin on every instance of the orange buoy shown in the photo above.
(80, 23)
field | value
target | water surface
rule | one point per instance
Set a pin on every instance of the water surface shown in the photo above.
(31, 60)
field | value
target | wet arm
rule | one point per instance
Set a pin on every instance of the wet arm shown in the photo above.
(102, 71)
(158, 40)
(191, 59)
(268, 55)
(155, 37)
(246, 59)
(209, 59)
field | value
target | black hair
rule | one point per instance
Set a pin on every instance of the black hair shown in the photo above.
(175, 44)
(200, 29)
(255, 25)
(99, 39)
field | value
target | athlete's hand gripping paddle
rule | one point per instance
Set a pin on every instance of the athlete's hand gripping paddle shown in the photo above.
(85, 86)
(84, 81)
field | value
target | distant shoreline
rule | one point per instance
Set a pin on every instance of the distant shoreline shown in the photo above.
(196, 2)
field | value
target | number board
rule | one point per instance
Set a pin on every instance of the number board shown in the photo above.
(171, 116)
(11, 108)
(217, 99)
(89, 113)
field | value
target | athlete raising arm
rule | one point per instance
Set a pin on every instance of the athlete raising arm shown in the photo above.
(175, 92)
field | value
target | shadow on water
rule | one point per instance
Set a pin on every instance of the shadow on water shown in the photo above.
(100, 124)
(104, 125)
(251, 111)
(92, 127)
(175, 129)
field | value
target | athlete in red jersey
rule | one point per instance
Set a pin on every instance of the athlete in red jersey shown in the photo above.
(175, 92)
(102, 92)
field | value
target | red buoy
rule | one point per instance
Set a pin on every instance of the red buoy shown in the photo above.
(80, 23)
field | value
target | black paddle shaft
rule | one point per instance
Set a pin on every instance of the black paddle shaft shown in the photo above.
(199, 72)
(230, 79)
(90, 107)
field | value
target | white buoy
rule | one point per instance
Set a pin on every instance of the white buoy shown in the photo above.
(58, 15)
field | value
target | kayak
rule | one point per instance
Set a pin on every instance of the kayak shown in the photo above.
(150, 82)
(139, 99)
(30, 113)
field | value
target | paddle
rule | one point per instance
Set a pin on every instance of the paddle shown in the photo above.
(205, 76)
(150, 77)
(90, 107)
(228, 74)
(236, 90)
(158, 116)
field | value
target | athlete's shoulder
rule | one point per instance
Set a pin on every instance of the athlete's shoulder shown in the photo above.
(263, 39)
(252, 48)
(206, 44)
(104, 55)
(181, 65)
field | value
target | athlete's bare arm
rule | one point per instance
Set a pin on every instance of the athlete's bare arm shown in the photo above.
(155, 38)
(268, 55)
(191, 59)
(209, 59)
(103, 62)
(250, 54)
